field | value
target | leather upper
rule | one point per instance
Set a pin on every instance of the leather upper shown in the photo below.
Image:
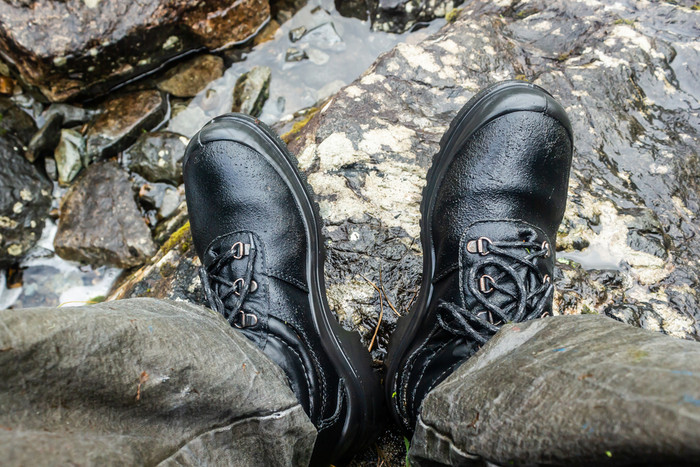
(235, 196)
(493, 227)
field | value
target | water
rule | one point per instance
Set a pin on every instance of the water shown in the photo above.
(338, 54)
(339, 50)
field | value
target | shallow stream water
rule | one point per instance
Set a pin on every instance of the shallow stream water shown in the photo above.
(339, 49)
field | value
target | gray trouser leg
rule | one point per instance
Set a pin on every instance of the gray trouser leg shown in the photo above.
(567, 390)
(141, 382)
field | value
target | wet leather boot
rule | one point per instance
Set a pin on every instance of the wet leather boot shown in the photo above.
(491, 207)
(257, 232)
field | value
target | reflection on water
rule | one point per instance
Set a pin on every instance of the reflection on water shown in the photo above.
(337, 54)
(48, 280)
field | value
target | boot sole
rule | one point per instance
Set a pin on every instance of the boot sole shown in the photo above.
(494, 101)
(349, 358)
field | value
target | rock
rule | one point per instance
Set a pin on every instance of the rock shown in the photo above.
(100, 222)
(190, 77)
(123, 119)
(607, 393)
(50, 168)
(162, 197)
(15, 123)
(353, 8)
(157, 156)
(633, 195)
(324, 36)
(45, 140)
(251, 91)
(398, 16)
(69, 155)
(106, 43)
(25, 198)
(71, 114)
(295, 55)
(297, 33)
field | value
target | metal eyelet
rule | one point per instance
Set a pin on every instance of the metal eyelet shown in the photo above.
(247, 320)
(241, 249)
(238, 284)
(253, 286)
(547, 279)
(545, 246)
(479, 246)
(484, 286)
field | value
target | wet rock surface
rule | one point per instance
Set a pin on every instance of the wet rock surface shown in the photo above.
(121, 121)
(251, 91)
(190, 77)
(45, 140)
(15, 125)
(628, 246)
(91, 58)
(100, 222)
(25, 197)
(158, 156)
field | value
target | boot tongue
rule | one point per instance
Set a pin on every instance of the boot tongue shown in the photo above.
(502, 264)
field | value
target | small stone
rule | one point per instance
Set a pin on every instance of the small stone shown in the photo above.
(51, 169)
(71, 114)
(297, 33)
(295, 55)
(15, 123)
(324, 36)
(251, 91)
(69, 155)
(122, 121)
(158, 156)
(100, 222)
(190, 77)
(45, 140)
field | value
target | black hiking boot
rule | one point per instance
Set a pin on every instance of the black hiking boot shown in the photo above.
(492, 204)
(257, 232)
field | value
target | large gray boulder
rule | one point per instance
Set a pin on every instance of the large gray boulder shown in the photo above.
(629, 246)
(71, 48)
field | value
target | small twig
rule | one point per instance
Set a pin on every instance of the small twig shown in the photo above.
(381, 284)
(408, 307)
(381, 312)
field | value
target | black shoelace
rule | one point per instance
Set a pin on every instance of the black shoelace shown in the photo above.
(527, 301)
(225, 296)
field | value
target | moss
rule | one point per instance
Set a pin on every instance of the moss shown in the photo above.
(695, 7)
(97, 299)
(453, 14)
(181, 235)
(521, 77)
(563, 56)
(628, 22)
(297, 127)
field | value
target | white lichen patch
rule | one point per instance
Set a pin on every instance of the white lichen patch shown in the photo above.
(346, 204)
(25, 194)
(396, 138)
(340, 296)
(372, 78)
(307, 157)
(353, 91)
(7, 223)
(336, 151)
(450, 46)
(17, 208)
(170, 42)
(418, 57)
(15, 250)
